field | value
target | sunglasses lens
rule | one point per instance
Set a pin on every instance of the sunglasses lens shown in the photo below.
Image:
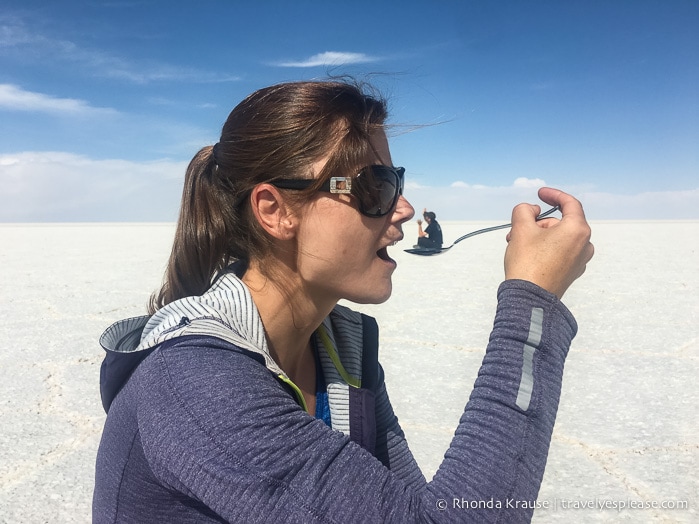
(377, 189)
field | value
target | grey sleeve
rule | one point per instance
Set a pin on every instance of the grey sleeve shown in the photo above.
(499, 450)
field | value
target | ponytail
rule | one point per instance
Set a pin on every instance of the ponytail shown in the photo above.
(202, 238)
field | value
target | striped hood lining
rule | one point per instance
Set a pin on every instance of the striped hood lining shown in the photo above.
(228, 312)
(225, 311)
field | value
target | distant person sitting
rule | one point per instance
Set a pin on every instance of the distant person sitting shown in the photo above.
(431, 237)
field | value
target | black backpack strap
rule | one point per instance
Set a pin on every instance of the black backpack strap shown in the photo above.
(362, 401)
(370, 353)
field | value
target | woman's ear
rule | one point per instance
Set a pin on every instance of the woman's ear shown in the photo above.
(272, 212)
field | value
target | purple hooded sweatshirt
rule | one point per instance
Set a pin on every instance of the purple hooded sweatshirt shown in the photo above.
(202, 425)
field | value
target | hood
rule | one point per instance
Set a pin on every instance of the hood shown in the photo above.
(226, 311)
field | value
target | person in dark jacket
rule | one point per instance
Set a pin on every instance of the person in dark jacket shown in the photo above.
(247, 394)
(431, 237)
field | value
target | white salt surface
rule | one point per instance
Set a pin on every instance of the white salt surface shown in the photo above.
(626, 432)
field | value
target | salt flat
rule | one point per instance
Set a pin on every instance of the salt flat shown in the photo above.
(627, 427)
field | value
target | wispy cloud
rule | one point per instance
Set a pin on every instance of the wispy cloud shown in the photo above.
(29, 45)
(13, 34)
(519, 183)
(330, 58)
(162, 73)
(13, 98)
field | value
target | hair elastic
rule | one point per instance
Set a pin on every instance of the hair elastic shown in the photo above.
(214, 154)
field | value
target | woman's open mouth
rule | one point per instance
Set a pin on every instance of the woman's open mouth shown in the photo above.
(383, 255)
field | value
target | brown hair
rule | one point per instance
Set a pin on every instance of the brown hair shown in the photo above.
(276, 132)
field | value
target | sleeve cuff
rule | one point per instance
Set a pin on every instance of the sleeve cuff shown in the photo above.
(523, 291)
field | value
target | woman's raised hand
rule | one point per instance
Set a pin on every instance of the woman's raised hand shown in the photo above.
(552, 253)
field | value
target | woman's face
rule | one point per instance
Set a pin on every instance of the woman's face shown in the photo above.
(342, 253)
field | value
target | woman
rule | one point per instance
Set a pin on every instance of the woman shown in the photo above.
(250, 396)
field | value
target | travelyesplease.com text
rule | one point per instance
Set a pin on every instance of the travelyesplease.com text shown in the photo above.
(563, 504)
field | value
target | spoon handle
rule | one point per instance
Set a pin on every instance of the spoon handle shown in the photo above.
(495, 228)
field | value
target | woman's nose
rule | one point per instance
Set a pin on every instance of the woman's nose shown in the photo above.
(404, 210)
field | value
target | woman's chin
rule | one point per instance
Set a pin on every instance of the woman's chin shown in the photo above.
(377, 295)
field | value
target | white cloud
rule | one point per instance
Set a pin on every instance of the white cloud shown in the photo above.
(521, 182)
(649, 205)
(461, 201)
(528, 182)
(331, 58)
(414, 185)
(14, 98)
(64, 187)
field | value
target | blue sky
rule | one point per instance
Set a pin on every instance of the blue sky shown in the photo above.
(103, 103)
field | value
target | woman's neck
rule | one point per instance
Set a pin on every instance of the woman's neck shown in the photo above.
(289, 317)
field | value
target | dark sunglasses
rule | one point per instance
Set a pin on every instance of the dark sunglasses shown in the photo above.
(376, 188)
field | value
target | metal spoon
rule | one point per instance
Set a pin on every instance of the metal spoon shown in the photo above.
(429, 251)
